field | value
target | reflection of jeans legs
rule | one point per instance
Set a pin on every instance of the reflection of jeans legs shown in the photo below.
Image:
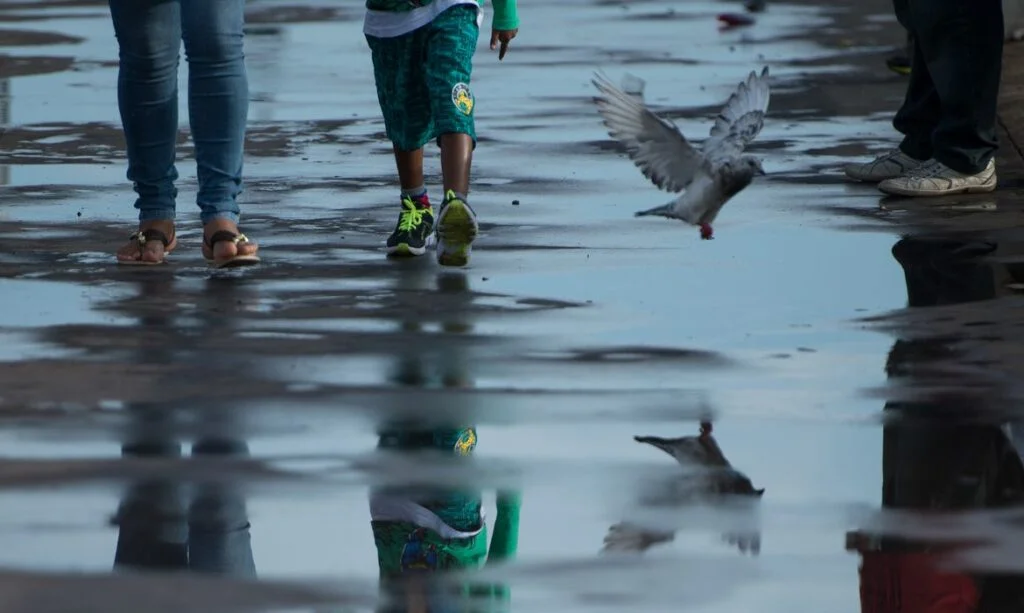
(153, 533)
(945, 271)
(218, 525)
(149, 34)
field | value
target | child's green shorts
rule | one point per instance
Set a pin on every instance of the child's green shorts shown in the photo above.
(423, 78)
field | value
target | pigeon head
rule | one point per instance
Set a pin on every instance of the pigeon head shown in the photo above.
(752, 164)
(703, 450)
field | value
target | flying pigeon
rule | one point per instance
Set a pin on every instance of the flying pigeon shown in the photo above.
(708, 177)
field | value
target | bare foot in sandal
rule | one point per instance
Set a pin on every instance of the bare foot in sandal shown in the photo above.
(149, 244)
(224, 246)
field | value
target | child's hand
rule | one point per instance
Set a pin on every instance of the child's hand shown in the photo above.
(504, 37)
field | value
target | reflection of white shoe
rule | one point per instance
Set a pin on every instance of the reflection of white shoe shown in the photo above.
(890, 165)
(937, 179)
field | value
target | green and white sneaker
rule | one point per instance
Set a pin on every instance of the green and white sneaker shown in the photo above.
(456, 229)
(413, 231)
(937, 179)
(889, 165)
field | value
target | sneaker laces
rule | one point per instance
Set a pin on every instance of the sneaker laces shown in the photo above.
(928, 169)
(411, 216)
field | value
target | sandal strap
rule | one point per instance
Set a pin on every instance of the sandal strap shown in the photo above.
(225, 235)
(150, 234)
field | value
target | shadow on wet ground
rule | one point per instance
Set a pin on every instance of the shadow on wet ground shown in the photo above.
(857, 357)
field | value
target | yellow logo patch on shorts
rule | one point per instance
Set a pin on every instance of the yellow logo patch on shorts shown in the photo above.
(462, 98)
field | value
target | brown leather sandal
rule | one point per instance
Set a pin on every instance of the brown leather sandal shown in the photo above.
(233, 262)
(144, 236)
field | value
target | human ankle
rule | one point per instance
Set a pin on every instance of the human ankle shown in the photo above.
(417, 195)
(456, 194)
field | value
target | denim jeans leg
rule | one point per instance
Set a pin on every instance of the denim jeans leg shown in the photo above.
(218, 101)
(149, 38)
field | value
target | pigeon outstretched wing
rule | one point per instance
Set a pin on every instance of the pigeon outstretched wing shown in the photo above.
(740, 120)
(626, 537)
(657, 147)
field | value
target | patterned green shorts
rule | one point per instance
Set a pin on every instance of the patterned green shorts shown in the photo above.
(423, 79)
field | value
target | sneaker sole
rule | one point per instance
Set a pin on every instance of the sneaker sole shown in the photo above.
(872, 181)
(968, 189)
(455, 235)
(403, 250)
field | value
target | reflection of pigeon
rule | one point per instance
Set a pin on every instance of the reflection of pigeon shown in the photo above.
(729, 21)
(716, 482)
(754, 6)
(711, 176)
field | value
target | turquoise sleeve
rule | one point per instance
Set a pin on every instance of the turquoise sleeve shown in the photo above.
(505, 15)
(504, 542)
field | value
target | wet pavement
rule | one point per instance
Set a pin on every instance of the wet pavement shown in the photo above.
(858, 357)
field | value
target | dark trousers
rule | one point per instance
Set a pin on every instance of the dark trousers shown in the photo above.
(950, 108)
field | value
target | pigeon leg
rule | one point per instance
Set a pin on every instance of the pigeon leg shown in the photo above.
(706, 232)
(664, 210)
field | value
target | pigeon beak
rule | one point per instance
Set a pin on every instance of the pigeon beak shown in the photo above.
(761, 172)
(661, 443)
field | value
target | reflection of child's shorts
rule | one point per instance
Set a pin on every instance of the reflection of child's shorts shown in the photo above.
(404, 547)
(423, 78)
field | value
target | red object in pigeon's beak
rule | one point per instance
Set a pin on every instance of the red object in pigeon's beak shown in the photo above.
(706, 233)
(734, 20)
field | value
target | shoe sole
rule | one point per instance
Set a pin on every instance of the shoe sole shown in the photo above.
(141, 263)
(238, 261)
(403, 250)
(456, 232)
(870, 181)
(968, 189)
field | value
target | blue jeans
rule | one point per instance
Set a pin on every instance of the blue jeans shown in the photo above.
(149, 36)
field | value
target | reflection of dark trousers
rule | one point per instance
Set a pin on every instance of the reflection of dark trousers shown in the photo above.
(949, 112)
(157, 532)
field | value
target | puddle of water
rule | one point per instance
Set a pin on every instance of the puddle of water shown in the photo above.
(39, 304)
(753, 327)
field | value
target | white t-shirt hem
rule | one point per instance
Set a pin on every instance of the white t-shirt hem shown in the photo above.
(392, 508)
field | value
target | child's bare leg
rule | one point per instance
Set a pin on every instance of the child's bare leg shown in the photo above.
(410, 169)
(457, 225)
(404, 103)
(456, 160)
(448, 66)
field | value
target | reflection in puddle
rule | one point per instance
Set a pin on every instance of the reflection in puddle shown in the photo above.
(708, 478)
(947, 455)
(329, 349)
